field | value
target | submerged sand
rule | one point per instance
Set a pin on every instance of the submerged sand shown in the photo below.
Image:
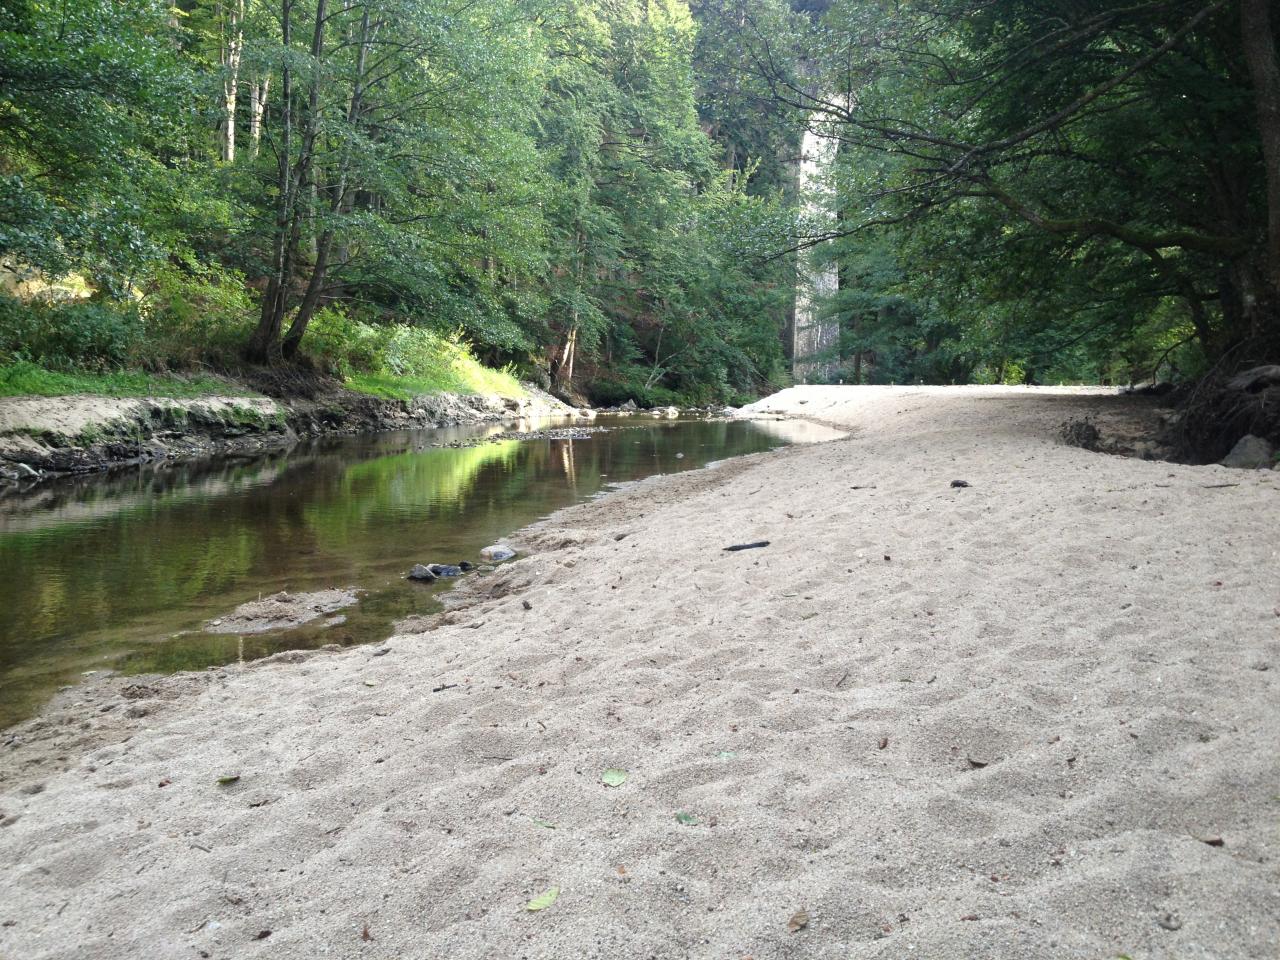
(1034, 718)
(282, 611)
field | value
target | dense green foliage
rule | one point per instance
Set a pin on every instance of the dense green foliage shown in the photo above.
(601, 195)
(1033, 189)
(239, 179)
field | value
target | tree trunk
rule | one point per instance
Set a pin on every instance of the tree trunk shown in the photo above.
(1264, 70)
(264, 346)
(324, 243)
(564, 372)
(257, 107)
(310, 299)
(566, 364)
(292, 181)
(231, 79)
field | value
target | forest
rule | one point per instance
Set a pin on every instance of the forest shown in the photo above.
(633, 479)
(602, 196)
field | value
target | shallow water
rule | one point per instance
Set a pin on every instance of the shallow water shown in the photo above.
(121, 572)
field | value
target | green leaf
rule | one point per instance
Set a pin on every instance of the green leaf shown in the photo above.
(686, 819)
(726, 755)
(613, 777)
(229, 779)
(542, 901)
(544, 823)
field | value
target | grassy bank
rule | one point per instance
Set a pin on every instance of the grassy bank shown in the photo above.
(83, 347)
(25, 379)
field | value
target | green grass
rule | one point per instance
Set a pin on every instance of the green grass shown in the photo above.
(458, 373)
(24, 379)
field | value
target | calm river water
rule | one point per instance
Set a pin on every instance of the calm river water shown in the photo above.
(120, 572)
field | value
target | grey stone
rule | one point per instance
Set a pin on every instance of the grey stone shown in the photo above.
(1259, 378)
(445, 570)
(1249, 453)
(423, 573)
(497, 553)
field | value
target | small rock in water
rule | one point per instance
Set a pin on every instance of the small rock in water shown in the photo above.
(466, 566)
(423, 573)
(497, 553)
(1249, 453)
(445, 570)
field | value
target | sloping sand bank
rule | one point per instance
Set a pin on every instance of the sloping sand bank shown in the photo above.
(1035, 718)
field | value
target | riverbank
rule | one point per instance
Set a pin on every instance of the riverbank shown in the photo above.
(1031, 717)
(43, 438)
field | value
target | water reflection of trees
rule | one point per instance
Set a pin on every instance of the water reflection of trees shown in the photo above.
(97, 568)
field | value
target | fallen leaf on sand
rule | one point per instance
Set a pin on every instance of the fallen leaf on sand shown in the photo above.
(613, 777)
(228, 780)
(884, 742)
(686, 819)
(799, 920)
(544, 900)
(365, 934)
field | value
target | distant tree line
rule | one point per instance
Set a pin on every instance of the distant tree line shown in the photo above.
(1034, 189)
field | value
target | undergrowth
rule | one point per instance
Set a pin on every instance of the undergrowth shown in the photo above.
(22, 378)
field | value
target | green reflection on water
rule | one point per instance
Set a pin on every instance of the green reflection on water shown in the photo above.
(121, 572)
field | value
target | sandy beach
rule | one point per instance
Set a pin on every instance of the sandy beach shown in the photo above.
(1033, 718)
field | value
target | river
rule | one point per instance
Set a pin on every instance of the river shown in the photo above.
(121, 572)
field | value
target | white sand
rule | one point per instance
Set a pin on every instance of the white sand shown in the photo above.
(1093, 629)
(282, 611)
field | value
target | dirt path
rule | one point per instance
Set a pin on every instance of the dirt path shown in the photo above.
(1032, 718)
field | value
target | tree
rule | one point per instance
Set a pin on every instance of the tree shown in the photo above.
(1112, 139)
(387, 137)
(90, 99)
